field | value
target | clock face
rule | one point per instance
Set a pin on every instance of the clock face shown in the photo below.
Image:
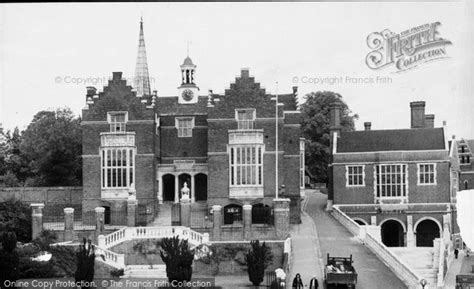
(188, 94)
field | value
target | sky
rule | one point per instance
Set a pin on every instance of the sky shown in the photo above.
(50, 53)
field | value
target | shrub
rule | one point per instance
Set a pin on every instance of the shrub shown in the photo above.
(258, 258)
(116, 273)
(178, 259)
(15, 216)
(9, 259)
(45, 239)
(62, 263)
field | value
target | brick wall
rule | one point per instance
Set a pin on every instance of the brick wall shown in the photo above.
(438, 193)
(47, 195)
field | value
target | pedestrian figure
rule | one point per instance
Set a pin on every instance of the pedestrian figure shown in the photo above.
(456, 252)
(297, 282)
(313, 283)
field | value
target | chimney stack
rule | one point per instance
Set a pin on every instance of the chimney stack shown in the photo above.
(429, 120)
(295, 90)
(417, 114)
(91, 91)
(335, 117)
(117, 75)
(367, 125)
(244, 73)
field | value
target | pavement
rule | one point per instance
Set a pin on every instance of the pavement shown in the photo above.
(454, 269)
(319, 234)
(462, 265)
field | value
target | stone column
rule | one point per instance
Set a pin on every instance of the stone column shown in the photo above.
(411, 242)
(176, 189)
(101, 241)
(185, 204)
(160, 189)
(99, 220)
(68, 224)
(205, 238)
(217, 218)
(281, 215)
(247, 216)
(436, 244)
(193, 197)
(36, 219)
(131, 210)
(446, 233)
(373, 220)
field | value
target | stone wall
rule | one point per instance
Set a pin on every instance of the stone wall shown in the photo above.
(231, 258)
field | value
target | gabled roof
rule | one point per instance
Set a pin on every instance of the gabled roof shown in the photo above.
(391, 140)
(470, 144)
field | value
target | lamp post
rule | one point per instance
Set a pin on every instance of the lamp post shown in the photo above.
(276, 142)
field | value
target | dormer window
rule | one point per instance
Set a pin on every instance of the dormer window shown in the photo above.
(245, 118)
(117, 121)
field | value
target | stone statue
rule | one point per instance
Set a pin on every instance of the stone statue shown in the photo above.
(185, 192)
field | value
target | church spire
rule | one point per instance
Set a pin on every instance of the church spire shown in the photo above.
(142, 80)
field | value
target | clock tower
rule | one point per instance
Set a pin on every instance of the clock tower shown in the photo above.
(188, 91)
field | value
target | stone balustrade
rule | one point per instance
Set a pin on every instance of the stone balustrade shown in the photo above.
(111, 258)
(132, 233)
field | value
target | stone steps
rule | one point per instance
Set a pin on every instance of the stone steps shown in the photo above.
(421, 261)
(145, 271)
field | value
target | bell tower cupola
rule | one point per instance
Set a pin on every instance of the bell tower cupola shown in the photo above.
(188, 91)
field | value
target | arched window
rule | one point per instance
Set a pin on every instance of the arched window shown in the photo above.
(466, 185)
(232, 214)
(261, 214)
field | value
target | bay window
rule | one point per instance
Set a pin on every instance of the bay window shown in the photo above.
(118, 169)
(246, 165)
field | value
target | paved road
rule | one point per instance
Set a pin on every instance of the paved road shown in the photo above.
(337, 240)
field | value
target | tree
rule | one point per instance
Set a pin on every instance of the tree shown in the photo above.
(178, 259)
(315, 129)
(14, 167)
(53, 146)
(85, 257)
(258, 258)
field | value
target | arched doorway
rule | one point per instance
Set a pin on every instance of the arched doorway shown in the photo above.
(200, 191)
(466, 185)
(232, 214)
(168, 187)
(261, 214)
(426, 231)
(182, 179)
(106, 215)
(392, 233)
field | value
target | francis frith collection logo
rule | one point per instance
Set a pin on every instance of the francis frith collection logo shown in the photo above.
(406, 50)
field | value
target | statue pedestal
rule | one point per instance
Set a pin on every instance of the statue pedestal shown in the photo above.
(185, 212)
